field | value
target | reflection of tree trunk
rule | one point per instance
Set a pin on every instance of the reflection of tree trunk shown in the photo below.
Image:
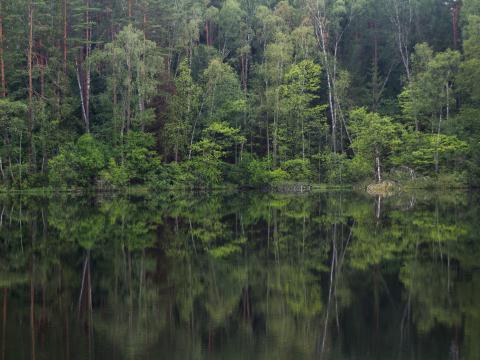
(455, 347)
(4, 322)
(407, 310)
(210, 339)
(85, 297)
(66, 333)
(376, 302)
(379, 207)
(246, 303)
(330, 289)
(275, 236)
(32, 314)
(85, 301)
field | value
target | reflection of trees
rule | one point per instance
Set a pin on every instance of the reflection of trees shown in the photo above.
(279, 276)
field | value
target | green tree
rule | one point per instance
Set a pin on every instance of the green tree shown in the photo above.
(13, 128)
(78, 164)
(184, 108)
(374, 138)
(132, 69)
(299, 97)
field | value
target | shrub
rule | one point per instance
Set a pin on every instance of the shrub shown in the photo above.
(298, 169)
(78, 165)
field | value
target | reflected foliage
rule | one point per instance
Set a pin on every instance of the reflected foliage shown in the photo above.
(240, 275)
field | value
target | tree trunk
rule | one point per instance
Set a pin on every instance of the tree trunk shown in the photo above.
(31, 152)
(87, 67)
(378, 165)
(438, 140)
(455, 13)
(401, 19)
(82, 100)
(3, 88)
(65, 35)
(321, 35)
(129, 10)
(83, 71)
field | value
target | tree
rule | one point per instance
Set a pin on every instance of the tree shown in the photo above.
(430, 93)
(229, 22)
(13, 127)
(330, 21)
(469, 77)
(3, 87)
(278, 58)
(299, 96)
(184, 107)
(374, 138)
(79, 164)
(132, 68)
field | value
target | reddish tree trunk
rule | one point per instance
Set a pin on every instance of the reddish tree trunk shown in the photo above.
(30, 83)
(3, 90)
(207, 33)
(455, 12)
(65, 36)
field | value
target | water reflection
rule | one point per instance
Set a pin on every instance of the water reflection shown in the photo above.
(240, 276)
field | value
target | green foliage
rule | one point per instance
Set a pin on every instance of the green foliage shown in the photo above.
(137, 162)
(183, 112)
(298, 169)
(419, 151)
(209, 82)
(223, 100)
(77, 164)
(339, 169)
(114, 175)
(469, 77)
(14, 133)
(374, 137)
(258, 173)
(133, 64)
(203, 171)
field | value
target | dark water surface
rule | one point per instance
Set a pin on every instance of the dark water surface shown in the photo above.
(240, 276)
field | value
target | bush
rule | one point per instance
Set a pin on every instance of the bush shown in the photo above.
(173, 175)
(78, 165)
(339, 169)
(203, 172)
(114, 175)
(298, 169)
(140, 161)
(257, 173)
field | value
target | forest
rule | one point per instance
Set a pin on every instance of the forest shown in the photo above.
(200, 94)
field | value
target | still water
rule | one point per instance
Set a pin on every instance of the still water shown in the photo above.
(240, 276)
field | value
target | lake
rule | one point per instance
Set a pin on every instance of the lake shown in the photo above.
(245, 275)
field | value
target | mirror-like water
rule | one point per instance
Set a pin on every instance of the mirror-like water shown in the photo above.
(240, 276)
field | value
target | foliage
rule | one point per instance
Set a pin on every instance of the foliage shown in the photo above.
(78, 164)
(298, 169)
(374, 137)
(205, 87)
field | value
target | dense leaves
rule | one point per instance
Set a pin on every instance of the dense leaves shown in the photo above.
(213, 92)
